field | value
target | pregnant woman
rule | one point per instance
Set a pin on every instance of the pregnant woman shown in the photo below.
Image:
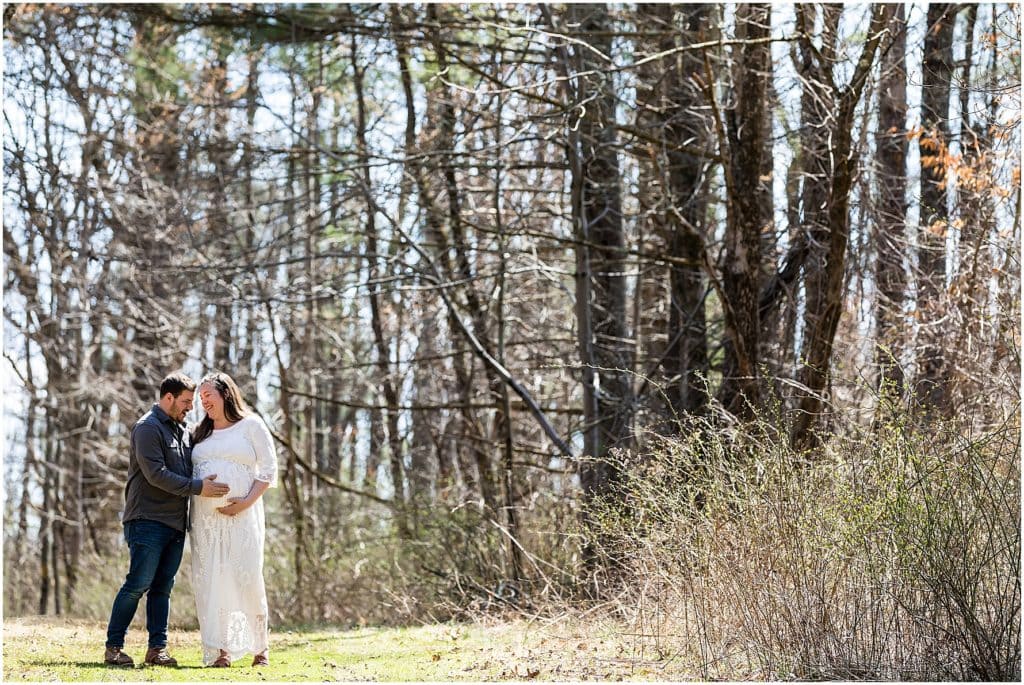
(228, 532)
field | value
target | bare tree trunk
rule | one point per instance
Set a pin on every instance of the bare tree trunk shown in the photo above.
(829, 234)
(935, 94)
(816, 102)
(748, 212)
(670, 104)
(976, 221)
(291, 478)
(156, 118)
(373, 259)
(423, 423)
(890, 226)
(427, 430)
(463, 270)
(21, 534)
(601, 236)
(311, 340)
(446, 467)
(216, 74)
(605, 347)
(247, 345)
(45, 547)
(779, 295)
(73, 539)
(503, 417)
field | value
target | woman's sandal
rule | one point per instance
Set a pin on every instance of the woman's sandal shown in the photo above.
(260, 660)
(222, 662)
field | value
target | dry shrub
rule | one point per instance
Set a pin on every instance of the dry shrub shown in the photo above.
(889, 555)
(460, 564)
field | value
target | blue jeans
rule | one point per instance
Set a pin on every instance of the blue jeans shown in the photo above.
(155, 551)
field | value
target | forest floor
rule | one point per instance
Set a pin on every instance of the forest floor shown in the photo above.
(55, 649)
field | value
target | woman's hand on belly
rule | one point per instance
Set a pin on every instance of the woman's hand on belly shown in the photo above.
(239, 504)
(236, 505)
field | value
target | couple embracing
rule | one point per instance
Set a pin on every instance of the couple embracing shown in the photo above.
(222, 469)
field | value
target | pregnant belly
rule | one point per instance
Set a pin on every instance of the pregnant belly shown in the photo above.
(234, 475)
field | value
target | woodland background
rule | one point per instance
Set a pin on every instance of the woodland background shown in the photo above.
(705, 318)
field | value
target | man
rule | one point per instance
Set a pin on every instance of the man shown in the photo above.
(156, 518)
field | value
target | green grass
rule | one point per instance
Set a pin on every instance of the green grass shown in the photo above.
(56, 649)
(50, 649)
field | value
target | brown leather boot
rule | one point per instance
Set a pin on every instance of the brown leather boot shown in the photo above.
(158, 656)
(113, 656)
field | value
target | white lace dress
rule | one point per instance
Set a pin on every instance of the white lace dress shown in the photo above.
(227, 551)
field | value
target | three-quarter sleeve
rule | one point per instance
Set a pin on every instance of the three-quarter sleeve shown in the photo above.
(266, 455)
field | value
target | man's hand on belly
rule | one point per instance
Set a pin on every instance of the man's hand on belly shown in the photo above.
(213, 488)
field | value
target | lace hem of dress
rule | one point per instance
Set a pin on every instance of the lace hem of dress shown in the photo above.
(238, 636)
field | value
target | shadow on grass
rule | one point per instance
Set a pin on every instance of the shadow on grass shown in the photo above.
(279, 641)
(54, 663)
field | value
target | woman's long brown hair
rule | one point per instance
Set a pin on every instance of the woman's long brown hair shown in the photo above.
(235, 408)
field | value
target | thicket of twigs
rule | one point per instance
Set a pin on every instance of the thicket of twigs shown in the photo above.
(893, 555)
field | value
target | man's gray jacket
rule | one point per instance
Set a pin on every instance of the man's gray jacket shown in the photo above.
(160, 471)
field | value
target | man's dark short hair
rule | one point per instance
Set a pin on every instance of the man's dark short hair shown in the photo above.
(176, 383)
